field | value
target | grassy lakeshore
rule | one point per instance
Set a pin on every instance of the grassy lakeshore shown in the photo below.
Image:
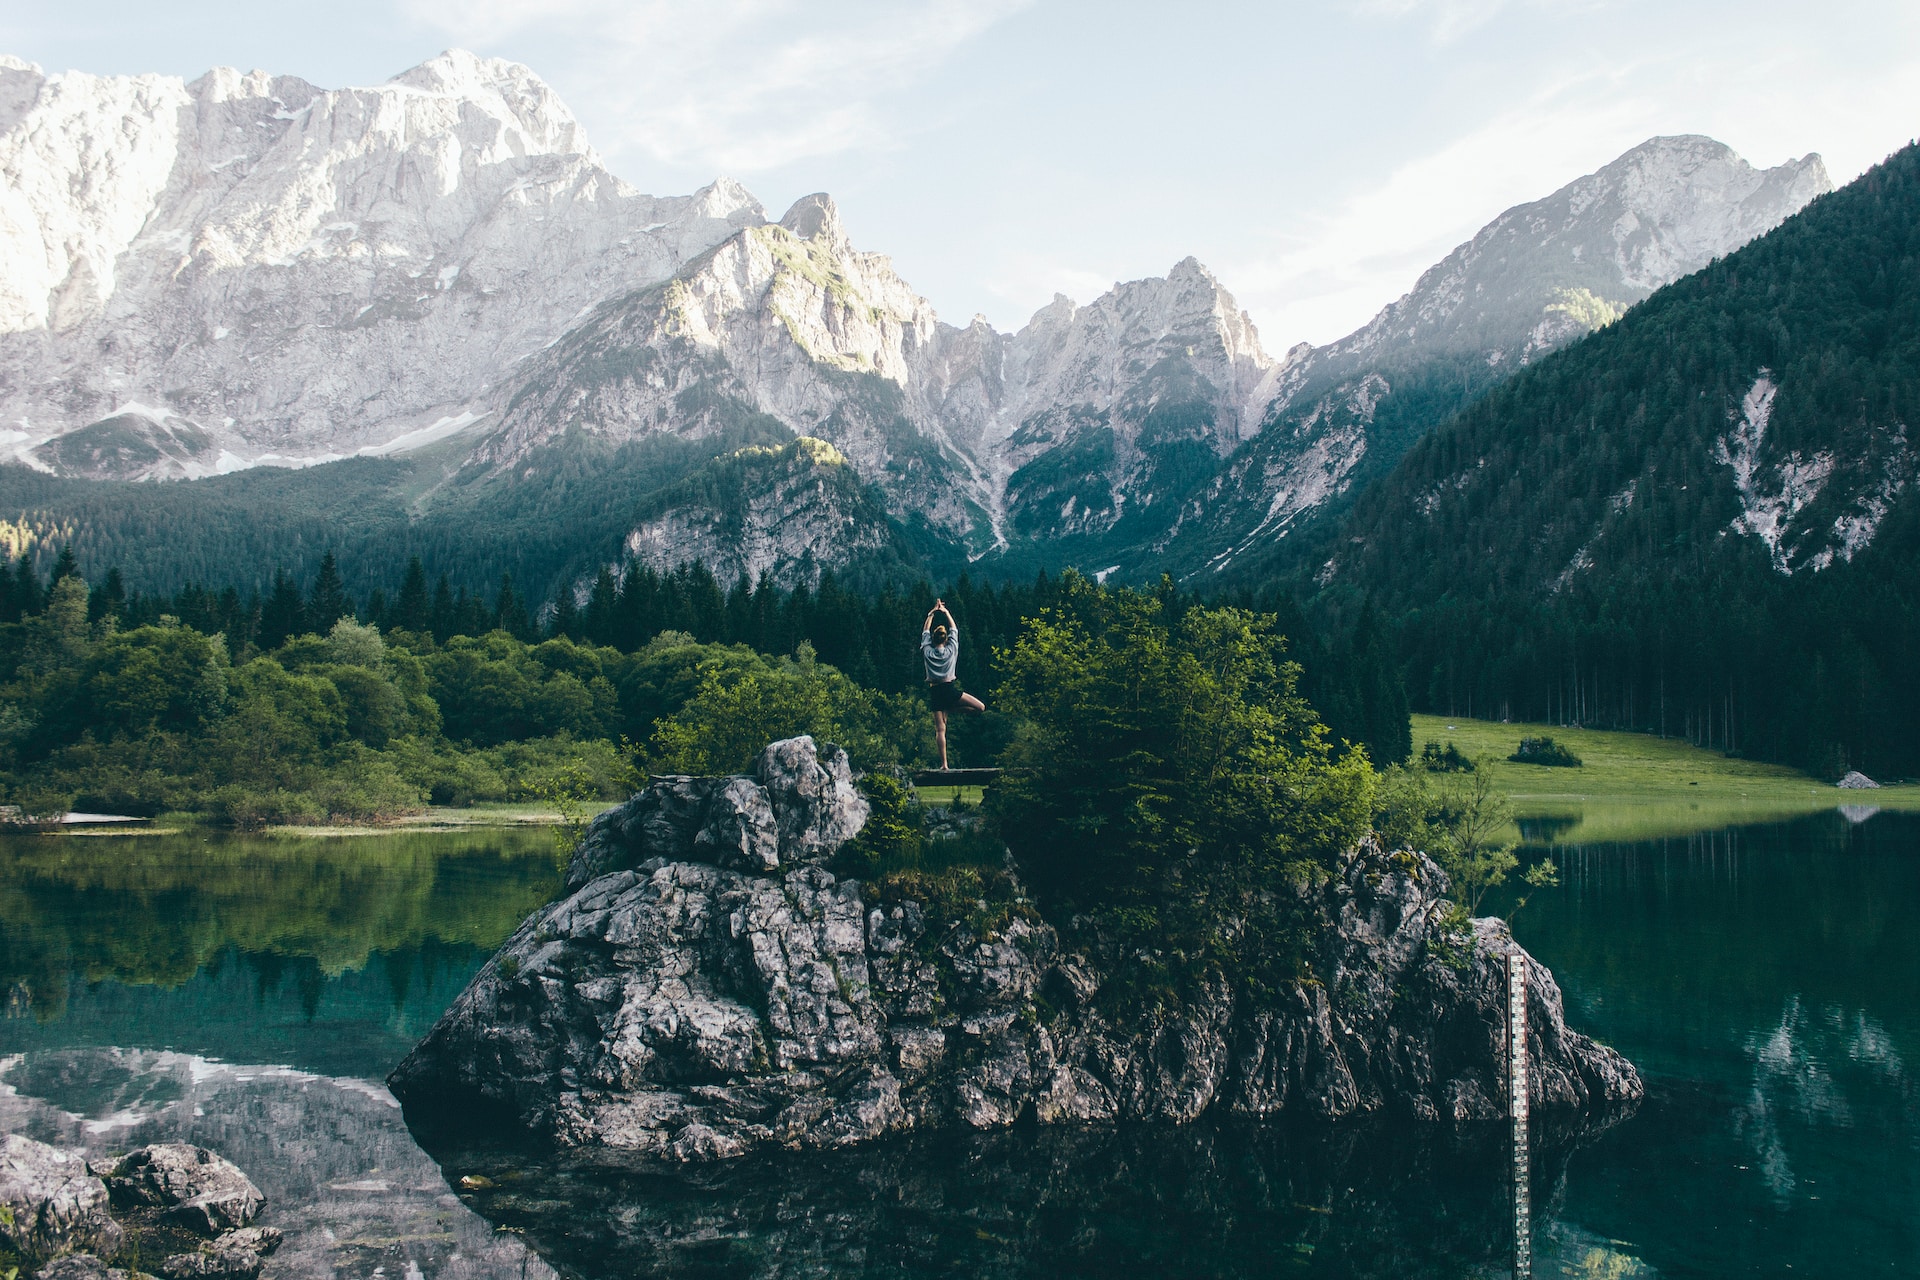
(1634, 786)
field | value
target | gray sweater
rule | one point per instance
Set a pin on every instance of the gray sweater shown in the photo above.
(940, 659)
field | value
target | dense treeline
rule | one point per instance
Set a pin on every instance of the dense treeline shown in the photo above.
(870, 636)
(308, 704)
(1567, 548)
(101, 711)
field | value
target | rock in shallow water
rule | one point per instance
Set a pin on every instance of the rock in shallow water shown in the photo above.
(695, 997)
(200, 1190)
(52, 1201)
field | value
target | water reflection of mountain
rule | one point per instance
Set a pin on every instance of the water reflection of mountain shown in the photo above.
(342, 1177)
(1386, 1199)
(155, 910)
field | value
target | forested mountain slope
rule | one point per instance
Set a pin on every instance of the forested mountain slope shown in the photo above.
(1699, 519)
(1535, 278)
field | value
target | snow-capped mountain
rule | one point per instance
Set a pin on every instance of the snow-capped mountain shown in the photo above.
(247, 268)
(197, 278)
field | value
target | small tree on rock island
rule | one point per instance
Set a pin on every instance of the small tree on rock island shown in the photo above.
(1172, 790)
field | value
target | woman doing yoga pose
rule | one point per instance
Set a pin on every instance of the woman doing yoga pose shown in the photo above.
(940, 649)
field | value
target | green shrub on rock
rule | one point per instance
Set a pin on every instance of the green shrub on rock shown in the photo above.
(1172, 788)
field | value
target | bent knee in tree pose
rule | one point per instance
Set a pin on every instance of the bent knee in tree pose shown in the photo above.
(940, 650)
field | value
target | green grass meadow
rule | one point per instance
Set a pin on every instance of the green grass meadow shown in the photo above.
(1634, 786)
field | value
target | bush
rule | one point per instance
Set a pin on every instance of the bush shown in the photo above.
(1452, 760)
(1545, 751)
(892, 837)
(1171, 785)
(738, 709)
(249, 810)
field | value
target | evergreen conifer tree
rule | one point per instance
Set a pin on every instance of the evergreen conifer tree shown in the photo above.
(443, 618)
(413, 610)
(510, 612)
(566, 614)
(599, 621)
(110, 601)
(282, 615)
(65, 566)
(23, 597)
(471, 616)
(329, 599)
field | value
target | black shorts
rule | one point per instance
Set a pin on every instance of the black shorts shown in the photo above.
(944, 696)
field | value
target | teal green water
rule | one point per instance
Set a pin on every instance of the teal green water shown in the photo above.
(1765, 979)
(330, 955)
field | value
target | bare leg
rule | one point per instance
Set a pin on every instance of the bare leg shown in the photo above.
(970, 703)
(940, 735)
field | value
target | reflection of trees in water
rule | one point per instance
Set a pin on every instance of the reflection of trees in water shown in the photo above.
(156, 910)
(1802, 1072)
(1383, 1198)
(1728, 921)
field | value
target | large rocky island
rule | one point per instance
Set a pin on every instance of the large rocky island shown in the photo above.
(708, 986)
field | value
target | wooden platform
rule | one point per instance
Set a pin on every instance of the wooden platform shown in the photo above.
(954, 777)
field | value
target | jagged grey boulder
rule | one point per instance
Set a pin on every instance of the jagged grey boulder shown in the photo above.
(797, 806)
(51, 1202)
(200, 1190)
(692, 1008)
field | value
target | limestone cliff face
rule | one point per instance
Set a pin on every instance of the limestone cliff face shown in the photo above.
(1114, 407)
(708, 987)
(785, 514)
(786, 323)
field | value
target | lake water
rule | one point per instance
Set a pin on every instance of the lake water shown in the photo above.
(250, 995)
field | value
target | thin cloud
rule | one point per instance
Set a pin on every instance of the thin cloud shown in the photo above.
(732, 85)
(1450, 20)
(1328, 275)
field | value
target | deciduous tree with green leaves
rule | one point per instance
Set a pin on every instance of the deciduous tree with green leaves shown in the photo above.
(1172, 788)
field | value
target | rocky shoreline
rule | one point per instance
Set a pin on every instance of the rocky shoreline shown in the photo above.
(708, 987)
(182, 1207)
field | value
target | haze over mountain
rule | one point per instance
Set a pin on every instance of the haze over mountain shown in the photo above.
(197, 278)
(1532, 280)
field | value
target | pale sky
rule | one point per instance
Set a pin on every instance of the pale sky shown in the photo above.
(1317, 156)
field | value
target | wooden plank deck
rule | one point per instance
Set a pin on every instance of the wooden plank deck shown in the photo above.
(954, 777)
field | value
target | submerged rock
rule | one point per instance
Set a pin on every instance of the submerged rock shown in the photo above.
(79, 1266)
(51, 1201)
(198, 1189)
(695, 997)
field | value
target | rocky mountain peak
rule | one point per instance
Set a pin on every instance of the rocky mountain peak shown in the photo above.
(1543, 273)
(816, 217)
(509, 90)
(20, 83)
